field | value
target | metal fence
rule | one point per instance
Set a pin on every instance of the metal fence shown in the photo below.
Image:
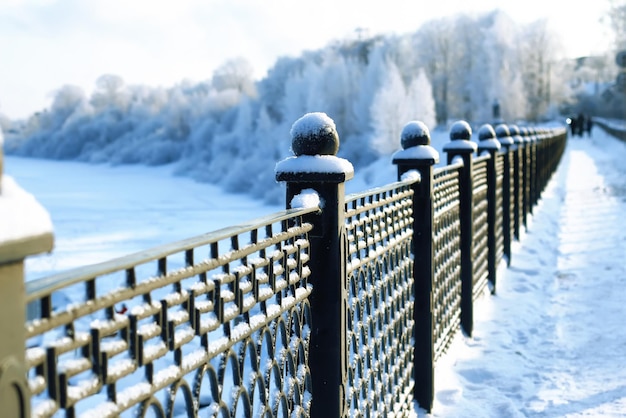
(337, 308)
(379, 230)
(218, 323)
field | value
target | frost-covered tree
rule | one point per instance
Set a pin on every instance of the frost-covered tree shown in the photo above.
(617, 22)
(388, 110)
(231, 129)
(109, 93)
(67, 100)
(236, 74)
(420, 102)
(504, 79)
(537, 52)
(435, 44)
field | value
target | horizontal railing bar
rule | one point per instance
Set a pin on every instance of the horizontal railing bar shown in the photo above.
(482, 158)
(39, 288)
(351, 212)
(448, 168)
(382, 189)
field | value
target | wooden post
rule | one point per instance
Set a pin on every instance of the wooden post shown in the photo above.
(417, 155)
(315, 167)
(461, 147)
(25, 229)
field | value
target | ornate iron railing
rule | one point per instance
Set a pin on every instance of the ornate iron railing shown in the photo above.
(480, 251)
(218, 324)
(340, 307)
(499, 208)
(379, 230)
(447, 256)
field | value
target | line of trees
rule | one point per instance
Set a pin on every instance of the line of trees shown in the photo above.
(605, 95)
(230, 129)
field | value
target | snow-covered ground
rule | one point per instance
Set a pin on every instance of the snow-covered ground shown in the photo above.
(550, 343)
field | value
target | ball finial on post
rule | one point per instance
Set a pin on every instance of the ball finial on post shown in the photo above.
(486, 132)
(416, 150)
(460, 144)
(504, 135)
(487, 139)
(314, 142)
(460, 130)
(413, 134)
(314, 134)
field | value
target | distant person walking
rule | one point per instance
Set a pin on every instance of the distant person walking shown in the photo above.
(573, 122)
(580, 124)
(589, 125)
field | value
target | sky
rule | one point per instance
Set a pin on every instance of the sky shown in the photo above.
(45, 44)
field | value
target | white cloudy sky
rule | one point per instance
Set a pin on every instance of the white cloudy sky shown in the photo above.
(47, 43)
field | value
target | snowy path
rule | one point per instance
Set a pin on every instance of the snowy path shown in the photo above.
(552, 342)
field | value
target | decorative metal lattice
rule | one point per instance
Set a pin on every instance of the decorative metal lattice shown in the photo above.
(518, 195)
(499, 208)
(447, 256)
(532, 192)
(380, 302)
(512, 195)
(480, 240)
(221, 329)
(527, 178)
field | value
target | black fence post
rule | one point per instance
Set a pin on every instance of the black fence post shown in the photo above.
(541, 162)
(417, 155)
(544, 150)
(316, 168)
(489, 144)
(533, 198)
(504, 137)
(517, 179)
(525, 166)
(461, 147)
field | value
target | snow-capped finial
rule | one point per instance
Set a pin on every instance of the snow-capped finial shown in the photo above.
(515, 133)
(486, 132)
(416, 149)
(314, 134)
(532, 134)
(525, 134)
(460, 130)
(413, 134)
(502, 130)
(504, 135)
(460, 134)
(315, 143)
(487, 137)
